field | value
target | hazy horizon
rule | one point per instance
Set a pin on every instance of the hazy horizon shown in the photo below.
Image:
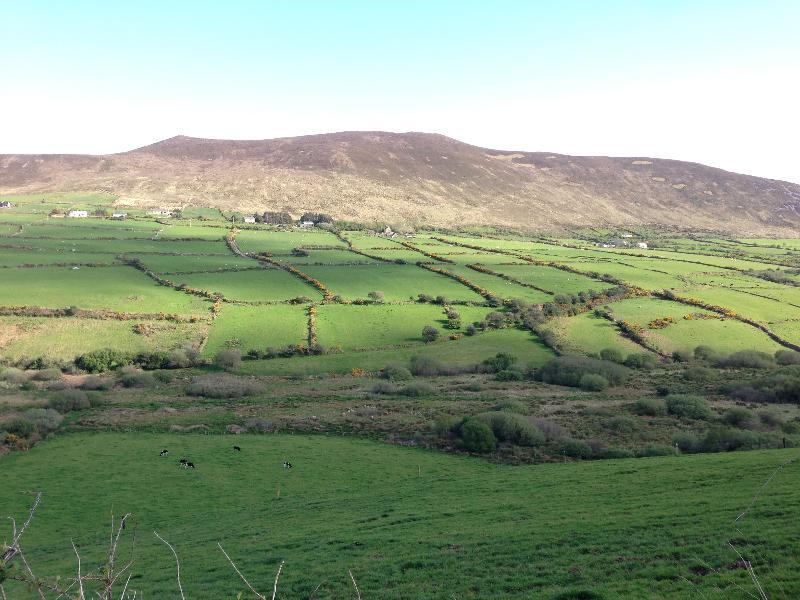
(711, 82)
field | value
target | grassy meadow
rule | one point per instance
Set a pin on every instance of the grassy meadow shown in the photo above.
(406, 522)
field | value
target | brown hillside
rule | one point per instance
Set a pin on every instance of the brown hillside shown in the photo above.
(416, 178)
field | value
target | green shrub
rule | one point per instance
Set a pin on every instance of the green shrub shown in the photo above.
(502, 361)
(131, 377)
(47, 375)
(575, 449)
(739, 417)
(425, 366)
(44, 419)
(770, 419)
(228, 360)
(418, 388)
(106, 359)
(686, 441)
(682, 356)
(568, 370)
(93, 382)
(699, 374)
(395, 372)
(20, 426)
(69, 400)
(384, 387)
(14, 376)
(509, 375)
(787, 357)
(641, 360)
(651, 407)
(705, 353)
(658, 450)
(746, 359)
(477, 436)
(781, 386)
(622, 424)
(612, 355)
(512, 428)
(616, 453)
(593, 383)
(688, 407)
(222, 385)
(720, 439)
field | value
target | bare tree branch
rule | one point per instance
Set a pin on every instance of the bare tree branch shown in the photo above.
(243, 578)
(355, 585)
(177, 562)
(13, 548)
(275, 585)
(81, 596)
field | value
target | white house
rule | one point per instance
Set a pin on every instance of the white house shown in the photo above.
(160, 212)
(307, 224)
(249, 219)
(78, 214)
(119, 216)
(641, 245)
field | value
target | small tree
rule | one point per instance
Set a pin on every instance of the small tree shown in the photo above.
(477, 436)
(376, 296)
(430, 333)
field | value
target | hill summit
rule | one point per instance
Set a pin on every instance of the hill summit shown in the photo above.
(419, 178)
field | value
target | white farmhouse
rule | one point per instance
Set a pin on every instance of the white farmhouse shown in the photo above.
(307, 224)
(78, 214)
(641, 245)
(119, 216)
(249, 219)
(160, 212)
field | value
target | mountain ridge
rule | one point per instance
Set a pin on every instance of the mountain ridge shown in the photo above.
(418, 178)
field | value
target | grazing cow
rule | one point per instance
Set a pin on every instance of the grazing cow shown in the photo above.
(237, 449)
(164, 453)
(183, 462)
(190, 465)
(287, 464)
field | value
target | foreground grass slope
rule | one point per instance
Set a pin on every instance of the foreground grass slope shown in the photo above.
(409, 523)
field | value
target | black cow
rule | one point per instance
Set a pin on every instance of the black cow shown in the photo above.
(164, 453)
(287, 464)
(237, 449)
(190, 465)
(183, 462)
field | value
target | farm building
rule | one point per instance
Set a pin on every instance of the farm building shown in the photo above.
(5, 204)
(160, 212)
(306, 224)
(78, 214)
(249, 219)
(641, 245)
(119, 216)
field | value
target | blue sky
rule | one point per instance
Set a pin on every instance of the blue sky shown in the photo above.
(714, 82)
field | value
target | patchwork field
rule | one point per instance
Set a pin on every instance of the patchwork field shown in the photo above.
(391, 279)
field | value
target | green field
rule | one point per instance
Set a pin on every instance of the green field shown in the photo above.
(462, 352)
(117, 288)
(397, 282)
(66, 338)
(262, 285)
(259, 327)
(407, 523)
